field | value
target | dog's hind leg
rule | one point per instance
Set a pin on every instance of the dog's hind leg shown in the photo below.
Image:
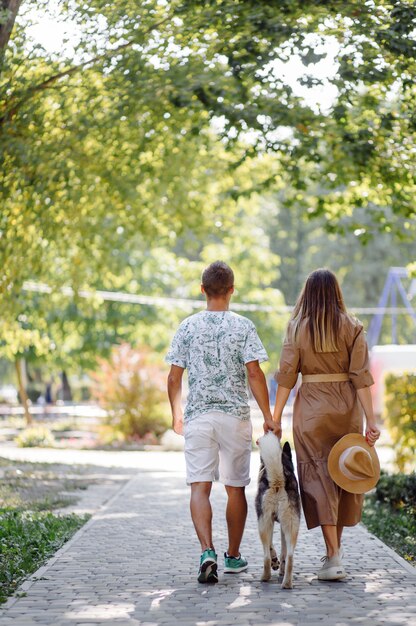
(287, 582)
(266, 536)
(274, 558)
(291, 536)
(283, 551)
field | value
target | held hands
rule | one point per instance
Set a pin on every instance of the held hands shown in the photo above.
(275, 427)
(372, 433)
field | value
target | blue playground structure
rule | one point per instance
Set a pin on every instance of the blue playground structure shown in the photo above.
(398, 283)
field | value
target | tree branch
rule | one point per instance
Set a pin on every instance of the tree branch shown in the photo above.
(10, 112)
(11, 7)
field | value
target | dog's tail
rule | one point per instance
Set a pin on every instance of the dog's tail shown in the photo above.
(271, 454)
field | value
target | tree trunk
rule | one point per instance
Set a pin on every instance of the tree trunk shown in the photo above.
(22, 391)
(10, 8)
(66, 388)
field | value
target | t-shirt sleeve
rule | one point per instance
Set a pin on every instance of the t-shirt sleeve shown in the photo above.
(359, 370)
(253, 347)
(289, 365)
(178, 351)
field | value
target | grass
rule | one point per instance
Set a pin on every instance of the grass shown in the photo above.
(39, 486)
(396, 527)
(30, 532)
(27, 540)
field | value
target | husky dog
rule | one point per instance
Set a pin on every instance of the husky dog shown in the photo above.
(277, 500)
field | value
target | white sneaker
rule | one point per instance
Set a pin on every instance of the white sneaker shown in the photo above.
(332, 569)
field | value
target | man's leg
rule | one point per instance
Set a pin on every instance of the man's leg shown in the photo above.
(234, 436)
(201, 513)
(236, 515)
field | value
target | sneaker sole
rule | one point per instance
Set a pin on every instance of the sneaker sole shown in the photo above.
(332, 573)
(208, 573)
(235, 570)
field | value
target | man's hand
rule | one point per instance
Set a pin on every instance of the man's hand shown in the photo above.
(275, 427)
(175, 392)
(177, 425)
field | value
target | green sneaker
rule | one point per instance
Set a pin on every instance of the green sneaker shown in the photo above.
(208, 567)
(234, 564)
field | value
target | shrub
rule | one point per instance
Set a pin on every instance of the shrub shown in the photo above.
(400, 416)
(390, 513)
(35, 437)
(398, 490)
(131, 388)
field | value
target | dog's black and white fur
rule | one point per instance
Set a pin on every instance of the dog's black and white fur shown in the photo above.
(277, 500)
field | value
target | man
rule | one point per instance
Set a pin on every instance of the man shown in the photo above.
(217, 347)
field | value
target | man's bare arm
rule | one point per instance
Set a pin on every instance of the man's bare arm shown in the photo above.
(175, 397)
(258, 386)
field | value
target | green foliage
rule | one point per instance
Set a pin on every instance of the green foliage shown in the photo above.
(390, 513)
(400, 416)
(35, 437)
(304, 244)
(27, 540)
(398, 490)
(167, 119)
(132, 389)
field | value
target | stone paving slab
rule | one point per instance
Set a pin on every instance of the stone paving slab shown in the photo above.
(135, 563)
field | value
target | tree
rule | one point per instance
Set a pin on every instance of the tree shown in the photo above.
(167, 117)
(8, 13)
(304, 244)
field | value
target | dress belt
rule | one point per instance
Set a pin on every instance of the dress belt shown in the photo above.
(324, 378)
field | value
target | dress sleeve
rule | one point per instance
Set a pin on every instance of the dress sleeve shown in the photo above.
(178, 351)
(253, 347)
(289, 365)
(359, 370)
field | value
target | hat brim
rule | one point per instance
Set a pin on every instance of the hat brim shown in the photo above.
(353, 486)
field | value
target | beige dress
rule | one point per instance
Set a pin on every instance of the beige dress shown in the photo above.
(322, 414)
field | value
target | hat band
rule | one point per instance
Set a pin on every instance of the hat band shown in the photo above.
(347, 473)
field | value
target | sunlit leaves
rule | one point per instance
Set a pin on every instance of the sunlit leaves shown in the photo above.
(156, 125)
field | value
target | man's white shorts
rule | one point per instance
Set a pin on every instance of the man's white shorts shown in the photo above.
(218, 446)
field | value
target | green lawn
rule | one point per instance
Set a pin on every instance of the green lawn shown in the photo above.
(27, 540)
(30, 532)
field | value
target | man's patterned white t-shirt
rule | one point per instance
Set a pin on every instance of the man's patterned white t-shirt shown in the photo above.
(214, 346)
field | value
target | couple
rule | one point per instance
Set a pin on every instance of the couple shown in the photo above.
(218, 347)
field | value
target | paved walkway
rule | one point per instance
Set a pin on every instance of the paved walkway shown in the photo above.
(135, 564)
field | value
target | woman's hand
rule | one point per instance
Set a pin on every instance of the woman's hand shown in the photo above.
(372, 433)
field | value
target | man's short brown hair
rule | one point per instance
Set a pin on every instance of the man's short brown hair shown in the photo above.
(217, 279)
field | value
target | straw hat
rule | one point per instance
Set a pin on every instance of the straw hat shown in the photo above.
(353, 464)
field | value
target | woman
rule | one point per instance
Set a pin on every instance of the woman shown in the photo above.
(323, 339)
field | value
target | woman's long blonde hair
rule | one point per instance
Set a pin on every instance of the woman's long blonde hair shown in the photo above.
(320, 305)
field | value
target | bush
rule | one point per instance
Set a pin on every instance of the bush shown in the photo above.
(35, 437)
(131, 388)
(398, 490)
(390, 513)
(400, 417)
